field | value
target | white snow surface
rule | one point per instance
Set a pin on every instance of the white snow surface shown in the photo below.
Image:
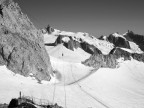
(125, 33)
(118, 35)
(135, 48)
(66, 70)
(49, 38)
(104, 37)
(66, 39)
(78, 55)
(128, 50)
(106, 88)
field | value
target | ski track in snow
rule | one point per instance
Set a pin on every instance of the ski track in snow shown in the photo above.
(95, 98)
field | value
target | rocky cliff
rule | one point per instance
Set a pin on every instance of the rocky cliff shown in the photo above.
(21, 44)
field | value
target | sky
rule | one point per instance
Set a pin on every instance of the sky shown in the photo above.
(96, 17)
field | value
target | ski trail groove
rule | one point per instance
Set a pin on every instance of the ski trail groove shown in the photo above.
(96, 99)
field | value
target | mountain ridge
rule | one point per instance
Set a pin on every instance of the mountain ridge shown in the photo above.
(120, 46)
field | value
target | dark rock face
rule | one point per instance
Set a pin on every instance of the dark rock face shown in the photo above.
(118, 41)
(49, 29)
(54, 106)
(139, 57)
(28, 103)
(118, 52)
(110, 60)
(1, 13)
(138, 39)
(69, 45)
(21, 44)
(72, 44)
(103, 38)
(88, 48)
(59, 40)
(13, 103)
(100, 60)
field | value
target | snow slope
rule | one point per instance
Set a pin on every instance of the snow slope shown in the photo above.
(119, 88)
(106, 88)
(65, 54)
(135, 48)
(66, 70)
(12, 84)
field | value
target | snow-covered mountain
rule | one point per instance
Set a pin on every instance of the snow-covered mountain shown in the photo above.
(104, 50)
(83, 71)
(111, 65)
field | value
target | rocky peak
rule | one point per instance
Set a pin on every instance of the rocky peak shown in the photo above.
(21, 44)
(49, 29)
(14, 20)
(136, 38)
(118, 40)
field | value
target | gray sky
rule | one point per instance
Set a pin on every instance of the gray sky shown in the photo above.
(97, 17)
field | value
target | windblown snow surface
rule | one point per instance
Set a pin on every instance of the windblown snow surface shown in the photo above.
(106, 88)
(75, 85)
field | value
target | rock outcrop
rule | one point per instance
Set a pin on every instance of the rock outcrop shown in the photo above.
(98, 60)
(29, 103)
(138, 39)
(110, 61)
(21, 44)
(118, 41)
(73, 44)
(49, 29)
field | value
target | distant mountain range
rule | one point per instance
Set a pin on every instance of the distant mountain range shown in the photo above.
(105, 50)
